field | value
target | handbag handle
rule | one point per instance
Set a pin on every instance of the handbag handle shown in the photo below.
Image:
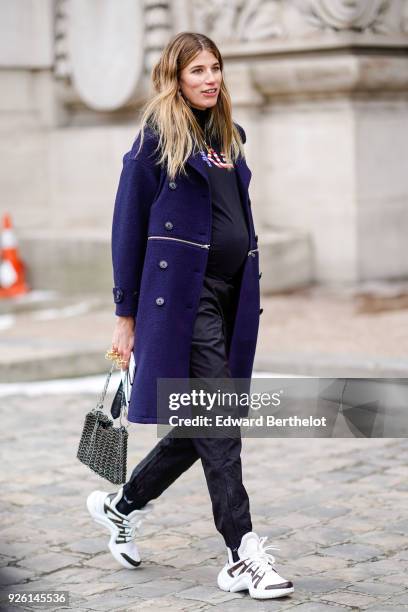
(123, 411)
(99, 404)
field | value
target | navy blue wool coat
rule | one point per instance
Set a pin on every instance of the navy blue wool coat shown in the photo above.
(161, 235)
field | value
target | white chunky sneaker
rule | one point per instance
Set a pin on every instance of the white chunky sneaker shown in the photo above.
(122, 527)
(253, 571)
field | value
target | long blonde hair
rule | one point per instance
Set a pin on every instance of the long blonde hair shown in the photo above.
(170, 116)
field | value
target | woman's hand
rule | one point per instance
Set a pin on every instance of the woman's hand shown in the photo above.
(123, 339)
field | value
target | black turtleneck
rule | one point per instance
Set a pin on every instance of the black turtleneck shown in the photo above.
(202, 115)
(229, 242)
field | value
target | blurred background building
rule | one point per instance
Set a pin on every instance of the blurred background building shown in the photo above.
(320, 86)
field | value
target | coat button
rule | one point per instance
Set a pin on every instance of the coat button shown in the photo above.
(260, 274)
(168, 225)
(118, 295)
(260, 311)
(163, 264)
(256, 238)
(173, 185)
(160, 301)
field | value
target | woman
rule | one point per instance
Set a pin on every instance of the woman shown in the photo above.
(185, 264)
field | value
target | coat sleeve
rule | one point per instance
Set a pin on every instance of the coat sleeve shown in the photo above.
(138, 186)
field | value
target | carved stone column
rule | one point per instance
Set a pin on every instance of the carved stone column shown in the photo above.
(322, 89)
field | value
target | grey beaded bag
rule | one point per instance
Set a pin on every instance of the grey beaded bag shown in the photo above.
(103, 447)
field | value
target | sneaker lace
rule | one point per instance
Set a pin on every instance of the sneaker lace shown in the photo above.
(264, 559)
(132, 526)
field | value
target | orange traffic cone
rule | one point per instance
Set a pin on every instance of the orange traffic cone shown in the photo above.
(12, 269)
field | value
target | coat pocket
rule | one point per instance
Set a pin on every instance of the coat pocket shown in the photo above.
(198, 244)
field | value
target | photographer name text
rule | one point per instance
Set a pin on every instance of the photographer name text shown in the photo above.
(260, 421)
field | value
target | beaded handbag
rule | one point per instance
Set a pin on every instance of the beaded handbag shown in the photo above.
(103, 447)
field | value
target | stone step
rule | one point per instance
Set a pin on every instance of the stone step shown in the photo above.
(285, 260)
(70, 261)
(81, 262)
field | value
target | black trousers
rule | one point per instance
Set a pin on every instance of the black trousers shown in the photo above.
(220, 457)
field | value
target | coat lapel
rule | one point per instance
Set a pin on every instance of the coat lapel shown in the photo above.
(197, 163)
(244, 174)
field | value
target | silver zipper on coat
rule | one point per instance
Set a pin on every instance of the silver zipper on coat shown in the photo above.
(252, 252)
(199, 244)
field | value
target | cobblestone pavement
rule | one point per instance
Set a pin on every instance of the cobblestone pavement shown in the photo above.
(336, 508)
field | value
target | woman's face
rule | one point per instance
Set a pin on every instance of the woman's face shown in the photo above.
(203, 73)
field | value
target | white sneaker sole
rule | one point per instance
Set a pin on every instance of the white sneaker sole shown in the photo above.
(94, 504)
(242, 583)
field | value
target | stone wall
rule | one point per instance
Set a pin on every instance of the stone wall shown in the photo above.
(321, 87)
